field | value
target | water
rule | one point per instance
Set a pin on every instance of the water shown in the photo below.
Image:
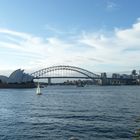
(89, 113)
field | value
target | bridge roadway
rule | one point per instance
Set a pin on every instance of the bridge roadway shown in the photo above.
(63, 77)
(74, 77)
(106, 81)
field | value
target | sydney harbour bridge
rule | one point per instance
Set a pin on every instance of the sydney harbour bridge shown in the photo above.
(73, 72)
(63, 71)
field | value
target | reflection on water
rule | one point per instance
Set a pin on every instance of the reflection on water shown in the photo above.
(138, 120)
(70, 113)
(137, 132)
(73, 138)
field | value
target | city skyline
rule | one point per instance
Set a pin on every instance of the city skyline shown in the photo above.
(92, 34)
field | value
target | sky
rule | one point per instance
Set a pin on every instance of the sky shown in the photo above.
(97, 35)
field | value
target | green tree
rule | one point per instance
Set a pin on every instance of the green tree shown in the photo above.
(134, 72)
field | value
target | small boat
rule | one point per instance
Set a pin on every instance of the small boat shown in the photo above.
(80, 85)
(38, 92)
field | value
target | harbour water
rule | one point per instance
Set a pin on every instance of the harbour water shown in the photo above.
(62, 112)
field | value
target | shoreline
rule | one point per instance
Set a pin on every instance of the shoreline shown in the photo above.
(15, 85)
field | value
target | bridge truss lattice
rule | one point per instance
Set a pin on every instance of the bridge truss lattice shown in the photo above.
(63, 71)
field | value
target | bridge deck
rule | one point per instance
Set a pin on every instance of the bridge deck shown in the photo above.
(77, 77)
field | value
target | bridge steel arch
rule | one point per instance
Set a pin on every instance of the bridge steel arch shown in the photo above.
(38, 74)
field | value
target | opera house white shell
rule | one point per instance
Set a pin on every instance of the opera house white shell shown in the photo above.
(3, 79)
(18, 76)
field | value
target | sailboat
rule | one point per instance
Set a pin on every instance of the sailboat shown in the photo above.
(38, 92)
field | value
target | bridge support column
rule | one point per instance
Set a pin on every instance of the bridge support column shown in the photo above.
(49, 81)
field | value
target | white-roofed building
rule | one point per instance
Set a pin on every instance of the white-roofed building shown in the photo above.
(3, 79)
(18, 76)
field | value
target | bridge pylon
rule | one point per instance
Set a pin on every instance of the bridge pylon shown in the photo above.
(49, 80)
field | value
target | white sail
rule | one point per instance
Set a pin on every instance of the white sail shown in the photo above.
(38, 92)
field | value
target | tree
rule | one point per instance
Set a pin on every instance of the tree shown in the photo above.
(134, 72)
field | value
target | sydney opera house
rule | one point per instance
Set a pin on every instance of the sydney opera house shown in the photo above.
(17, 79)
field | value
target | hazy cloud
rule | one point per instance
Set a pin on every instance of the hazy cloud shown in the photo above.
(88, 50)
(111, 5)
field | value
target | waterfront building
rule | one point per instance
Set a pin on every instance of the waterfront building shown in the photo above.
(115, 75)
(125, 76)
(103, 75)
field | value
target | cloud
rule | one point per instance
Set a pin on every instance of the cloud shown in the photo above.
(130, 36)
(111, 5)
(96, 51)
(53, 29)
(69, 32)
(14, 33)
(122, 48)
